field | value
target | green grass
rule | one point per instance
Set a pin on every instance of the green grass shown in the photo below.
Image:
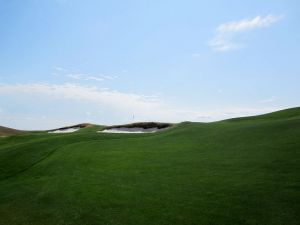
(239, 171)
(5, 131)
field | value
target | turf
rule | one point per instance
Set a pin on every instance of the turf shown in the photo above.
(5, 131)
(239, 171)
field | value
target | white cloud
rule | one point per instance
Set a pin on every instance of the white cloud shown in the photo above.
(120, 104)
(80, 76)
(225, 33)
(196, 54)
(248, 24)
(268, 100)
(112, 98)
(59, 69)
(88, 113)
(63, 72)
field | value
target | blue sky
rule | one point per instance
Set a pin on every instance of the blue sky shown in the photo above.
(65, 62)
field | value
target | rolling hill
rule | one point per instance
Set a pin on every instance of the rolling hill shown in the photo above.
(5, 131)
(237, 171)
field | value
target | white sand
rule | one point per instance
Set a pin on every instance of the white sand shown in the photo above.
(134, 130)
(69, 130)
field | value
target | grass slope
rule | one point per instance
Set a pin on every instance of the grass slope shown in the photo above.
(5, 131)
(239, 171)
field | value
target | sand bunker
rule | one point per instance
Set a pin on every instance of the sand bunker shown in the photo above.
(137, 128)
(69, 130)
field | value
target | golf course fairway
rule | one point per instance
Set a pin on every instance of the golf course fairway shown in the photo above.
(237, 171)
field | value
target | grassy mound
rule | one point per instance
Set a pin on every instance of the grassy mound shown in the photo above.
(5, 131)
(240, 171)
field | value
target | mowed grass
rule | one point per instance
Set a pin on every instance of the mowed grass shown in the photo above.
(239, 171)
(5, 131)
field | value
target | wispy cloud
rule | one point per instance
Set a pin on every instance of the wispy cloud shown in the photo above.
(59, 69)
(145, 107)
(112, 98)
(63, 72)
(196, 54)
(86, 77)
(268, 100)
(227, 32)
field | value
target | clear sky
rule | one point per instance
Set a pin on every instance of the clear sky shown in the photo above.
(71, 61)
